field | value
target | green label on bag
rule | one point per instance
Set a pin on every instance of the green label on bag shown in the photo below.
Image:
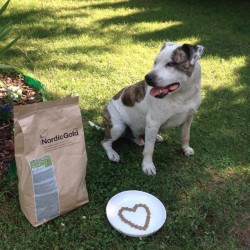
(41, 162)
(45, 188)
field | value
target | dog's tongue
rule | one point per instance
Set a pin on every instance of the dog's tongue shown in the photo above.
(163, 91)
(159, 91)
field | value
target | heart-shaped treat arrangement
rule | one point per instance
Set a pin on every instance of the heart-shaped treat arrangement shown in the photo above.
(122, 211)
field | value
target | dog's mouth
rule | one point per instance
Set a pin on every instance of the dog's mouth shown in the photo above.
(162, 92)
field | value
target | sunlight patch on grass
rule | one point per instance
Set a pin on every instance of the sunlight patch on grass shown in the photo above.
(229, 173)
(223, 72)
(142, 27)
(190, 40)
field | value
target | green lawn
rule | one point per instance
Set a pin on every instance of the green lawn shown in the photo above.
(93, 49)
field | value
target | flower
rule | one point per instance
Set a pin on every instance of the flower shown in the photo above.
(6, 107)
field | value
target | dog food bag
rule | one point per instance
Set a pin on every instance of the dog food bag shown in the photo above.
(51, 158)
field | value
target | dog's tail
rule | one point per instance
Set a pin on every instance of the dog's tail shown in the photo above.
(95, 126)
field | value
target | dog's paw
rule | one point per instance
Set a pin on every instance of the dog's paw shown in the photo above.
(113, 156)
(188, 151)
(148, 168)
(159, 138)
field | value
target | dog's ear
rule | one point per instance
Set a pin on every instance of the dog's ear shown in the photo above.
(166, 44)
(163, 46)
(193, 52)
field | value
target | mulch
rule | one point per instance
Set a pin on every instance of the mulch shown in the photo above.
(26, 95)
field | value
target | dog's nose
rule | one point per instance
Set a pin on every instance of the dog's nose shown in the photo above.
(149, 79)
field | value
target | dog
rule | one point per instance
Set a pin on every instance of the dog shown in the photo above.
(169, 96)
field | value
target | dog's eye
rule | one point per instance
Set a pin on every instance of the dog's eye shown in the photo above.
(170, 64)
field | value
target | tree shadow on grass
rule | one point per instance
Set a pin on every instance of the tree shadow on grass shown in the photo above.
(204, 20)
(54, 24)
(37, 60)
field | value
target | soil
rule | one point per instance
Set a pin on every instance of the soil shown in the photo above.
(23, 94)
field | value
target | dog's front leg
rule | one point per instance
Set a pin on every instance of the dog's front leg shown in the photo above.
(151, 131)
(185, 136)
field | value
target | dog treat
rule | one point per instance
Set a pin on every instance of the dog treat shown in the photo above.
(130, 223)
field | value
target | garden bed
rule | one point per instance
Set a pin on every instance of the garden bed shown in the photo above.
(17, 90)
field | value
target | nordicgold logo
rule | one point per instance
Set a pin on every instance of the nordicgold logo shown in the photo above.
(45, 140)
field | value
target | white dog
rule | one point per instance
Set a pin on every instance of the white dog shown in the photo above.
(168, 97)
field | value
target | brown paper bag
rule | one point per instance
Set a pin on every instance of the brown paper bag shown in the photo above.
(51, 158)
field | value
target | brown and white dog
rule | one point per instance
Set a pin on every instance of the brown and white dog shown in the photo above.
(168, 97)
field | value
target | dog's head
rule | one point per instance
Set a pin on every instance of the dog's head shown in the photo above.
(173, 66)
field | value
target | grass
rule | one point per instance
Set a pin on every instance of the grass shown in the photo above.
(93, 49)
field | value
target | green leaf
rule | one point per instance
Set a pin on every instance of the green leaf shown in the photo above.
(4, 68)
(4, 7)
(2, 51)
(5, 30)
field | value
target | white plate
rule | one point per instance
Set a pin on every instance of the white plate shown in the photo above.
(136, 213)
